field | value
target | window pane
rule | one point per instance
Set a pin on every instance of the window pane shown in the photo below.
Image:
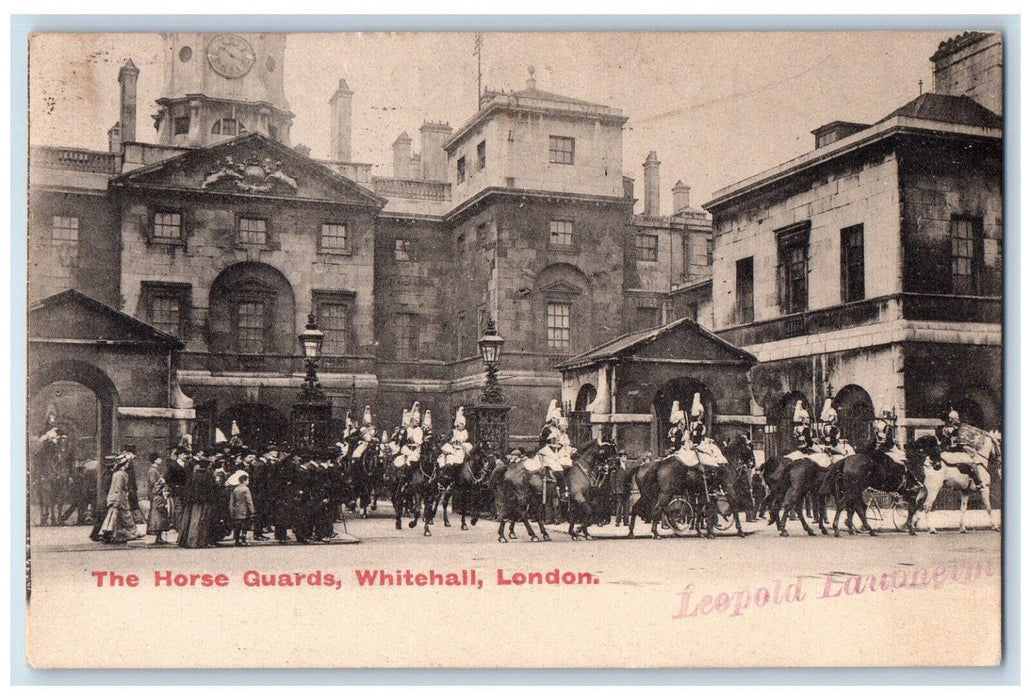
(334, 237)
(558, 326)
(253, 231)
(65, 228)
(402, 249)
(745, 310)
(460, 169)
(164, 314)
(333, 321)
(250, 328)
(965, 235)
(647, 246)
(561, 150)
(481, 155)
(168, 225)
(561, 233)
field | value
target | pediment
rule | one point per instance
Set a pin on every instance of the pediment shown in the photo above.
(250, 165)
(561, 288)
(71, 315)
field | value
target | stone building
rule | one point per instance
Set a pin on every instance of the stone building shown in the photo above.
(221, 238)
(869, 269)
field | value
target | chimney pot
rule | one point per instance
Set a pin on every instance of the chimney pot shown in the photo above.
(651, 184)
(127, 77)
(340, 123)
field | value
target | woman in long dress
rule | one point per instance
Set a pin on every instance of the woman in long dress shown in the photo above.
(200, 501)
(158, 521)
(118, 526)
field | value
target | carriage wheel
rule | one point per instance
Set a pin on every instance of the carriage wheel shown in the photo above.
(722, 514)
(678, 515)
(900, 514)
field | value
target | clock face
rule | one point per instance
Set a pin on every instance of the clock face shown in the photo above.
(230, 55)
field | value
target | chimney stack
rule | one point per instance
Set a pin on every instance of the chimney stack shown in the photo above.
(114, 138)
(681, 197)
(127, 110)
(403, 157)
(434, 157)
(651, 185)
(340, 123)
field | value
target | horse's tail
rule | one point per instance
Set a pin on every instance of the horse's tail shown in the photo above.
(831, 480)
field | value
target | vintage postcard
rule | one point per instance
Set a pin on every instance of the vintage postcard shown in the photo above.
(534, 350)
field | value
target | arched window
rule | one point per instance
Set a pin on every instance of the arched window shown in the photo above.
(252, 312)
(227, 126)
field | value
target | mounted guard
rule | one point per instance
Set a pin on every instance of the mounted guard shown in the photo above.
(680, 446)
(886, 437)
(708, 452)
(555, 450)
(396, 444)
(457, 449)
(349, 438)
(955, 450)
(803, 433)
(366, 434)
(832, 447)
(411, 451)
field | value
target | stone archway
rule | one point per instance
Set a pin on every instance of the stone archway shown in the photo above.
(252, 312)
(82, 374)
(855, 414)
(977, 405)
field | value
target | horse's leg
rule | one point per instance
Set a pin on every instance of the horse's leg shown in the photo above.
(443, 506)
(511, 530)
(529, 531)
(633, 521)
(963, 498)
(986, 499)
(789, 502)
(544, 533)
(737, 522)
(861, 510)
(501, 530)
(822, 508)
(801, 518)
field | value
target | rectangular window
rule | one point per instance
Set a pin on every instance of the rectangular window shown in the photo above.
(744, 299)
(168, 226)
(561, 233)
(558, 325)
(402, 249)
(182, 125)
(852, 264)
(407, 336)
(460, 169)
(481, 155)
(334, 322)
(250, 327)
(647, 245)
(647, 317)
(967, 239)
(481, 234)
(65, 229)
(560, 150)
(793, 263)
(252, 231)
(164, 314)
(334, 238)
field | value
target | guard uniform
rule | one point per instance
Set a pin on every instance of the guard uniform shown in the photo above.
(683, 449)
(458, 447)
(955, 451)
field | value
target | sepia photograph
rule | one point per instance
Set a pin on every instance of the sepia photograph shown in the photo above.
(514, 350)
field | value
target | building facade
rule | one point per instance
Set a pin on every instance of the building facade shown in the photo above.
(223, 238)
(869, 270)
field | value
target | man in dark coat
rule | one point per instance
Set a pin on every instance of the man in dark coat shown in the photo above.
(105, 472)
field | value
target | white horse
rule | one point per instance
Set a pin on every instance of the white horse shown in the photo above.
(986, 451)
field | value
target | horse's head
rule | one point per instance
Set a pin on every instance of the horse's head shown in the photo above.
(599, 452)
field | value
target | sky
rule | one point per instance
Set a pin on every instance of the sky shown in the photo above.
(717, 107)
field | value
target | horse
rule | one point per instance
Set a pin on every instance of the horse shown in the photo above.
(364, 474)
(519, 497)
(590, 485)
(54, 475)
(740, 453)
(871, 468)
(940, 474)
(424, 484)
(468, 493)
(658, 482)
(790, 482)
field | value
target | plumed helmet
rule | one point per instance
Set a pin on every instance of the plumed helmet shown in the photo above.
(349, 421)
(953, 415)
(697, 409)
(415, 415)
(367, 416)
(676, 415)
(427, 421)
(801, 415)
(460, 418)
(553, 412)
(563, 423)
(828, 414)
(219, 436)
(385, 437)
(235, 429)
(406, 418)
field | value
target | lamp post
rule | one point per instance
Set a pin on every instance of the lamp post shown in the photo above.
(312, 412)
(489, 419)
(490, 344)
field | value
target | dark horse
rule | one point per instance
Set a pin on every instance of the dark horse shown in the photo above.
(54, 474)
(791, 481)
(425, 484)
(519, 497)
(740, 452)
(658, 482)
(468, 492)
(364, 474)
(871, 468)
(591, 485)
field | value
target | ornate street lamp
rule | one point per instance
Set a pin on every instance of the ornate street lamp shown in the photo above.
(312, 413)
(490, 344)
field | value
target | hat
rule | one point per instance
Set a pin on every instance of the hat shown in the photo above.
(385, 437)
(427, 421)
(220, 436)
(953, 414)
(367, 416)
(234, 480)
(553, 413)
(676, 415)
(460, 418)
(415, 415)
(801, 415)
(349, 421)
(697, 409)
(828, 414)
(235, 429)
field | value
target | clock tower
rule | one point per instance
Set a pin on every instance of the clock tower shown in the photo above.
(218, 86)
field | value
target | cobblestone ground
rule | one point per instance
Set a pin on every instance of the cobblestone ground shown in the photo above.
(760, 599)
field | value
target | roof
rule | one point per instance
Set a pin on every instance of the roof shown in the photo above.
(129, 326)
(618, 348)
(950, 109)
(958, 43)
(535, 94)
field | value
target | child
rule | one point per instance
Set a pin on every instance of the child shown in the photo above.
(241, 510)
